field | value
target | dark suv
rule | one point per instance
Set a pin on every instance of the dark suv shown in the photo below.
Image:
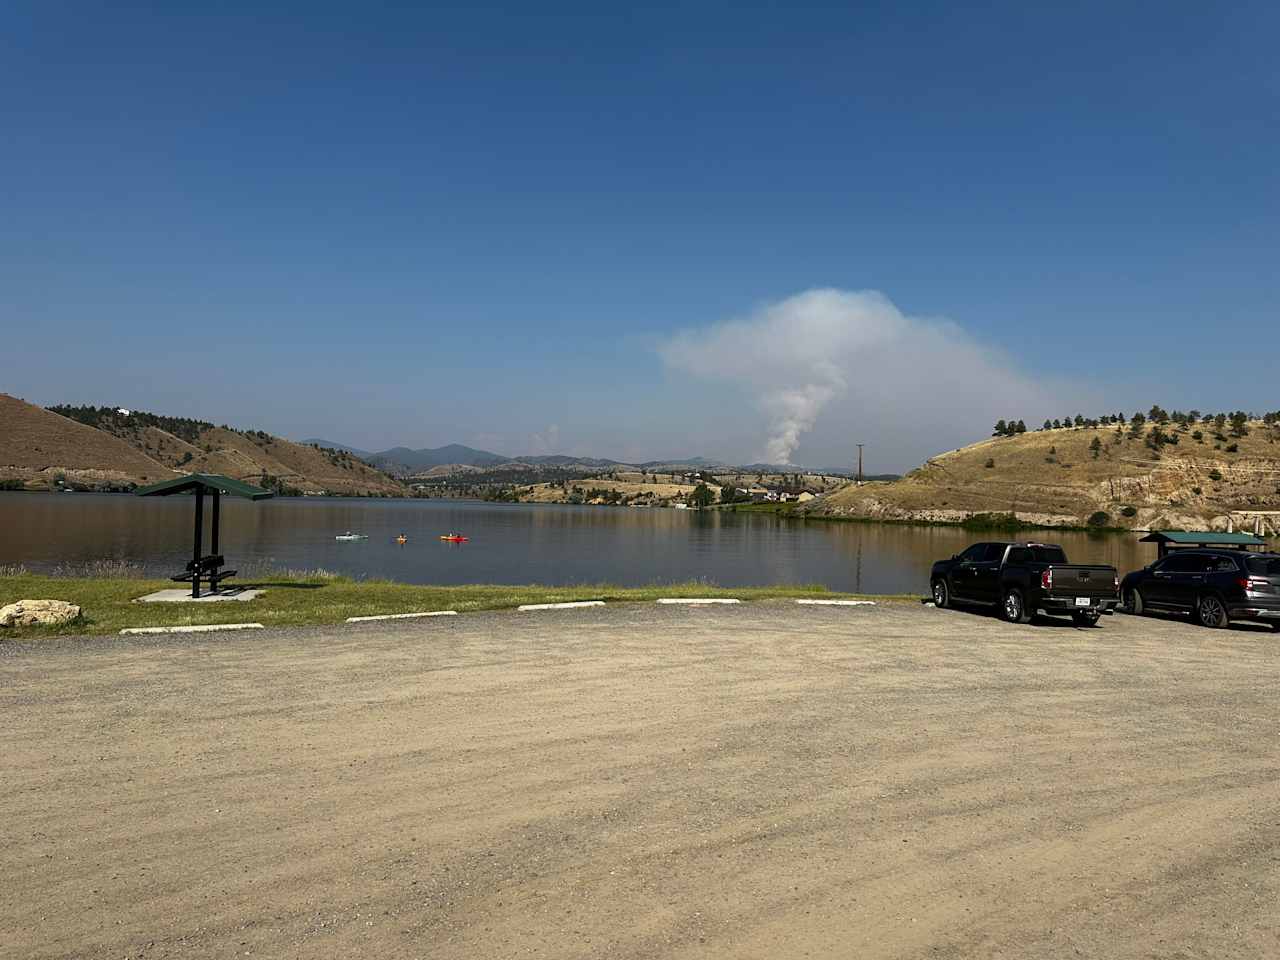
(1215, 586)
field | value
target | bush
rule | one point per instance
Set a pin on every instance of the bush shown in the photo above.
(1099, 519)
(1128, 511)
(990, 464)
(1197, 491)
(1215, 474)
(1233, 448)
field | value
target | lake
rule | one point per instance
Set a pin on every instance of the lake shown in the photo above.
(510, 543)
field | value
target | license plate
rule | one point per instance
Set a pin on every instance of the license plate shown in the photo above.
(1082, 601)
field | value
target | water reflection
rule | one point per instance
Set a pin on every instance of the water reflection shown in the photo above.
(510, 543)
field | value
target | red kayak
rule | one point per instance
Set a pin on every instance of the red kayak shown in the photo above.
(454, 538)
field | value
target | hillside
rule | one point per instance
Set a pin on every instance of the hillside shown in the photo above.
(1066, 476)
(138, 447)
(38, 447)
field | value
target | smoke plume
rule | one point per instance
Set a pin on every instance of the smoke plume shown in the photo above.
(837, 361)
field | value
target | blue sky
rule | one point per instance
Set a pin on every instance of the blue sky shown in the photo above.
(416, 224)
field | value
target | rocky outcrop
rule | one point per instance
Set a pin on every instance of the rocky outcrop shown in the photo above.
(38, 613)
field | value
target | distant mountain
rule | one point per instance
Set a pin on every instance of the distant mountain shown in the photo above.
(407, 462)
(330, 445)
(559, 460)
(401, 461)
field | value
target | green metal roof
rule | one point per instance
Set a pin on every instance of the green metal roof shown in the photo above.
(208, 482)
(1203, 538)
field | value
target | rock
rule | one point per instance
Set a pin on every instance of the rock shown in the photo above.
(30, 613)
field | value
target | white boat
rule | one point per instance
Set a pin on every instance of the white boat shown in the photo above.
(351, 536)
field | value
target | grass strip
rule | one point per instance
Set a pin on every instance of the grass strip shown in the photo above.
(107, 603)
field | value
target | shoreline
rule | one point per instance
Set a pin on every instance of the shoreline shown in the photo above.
(978, 522)
(320, 599)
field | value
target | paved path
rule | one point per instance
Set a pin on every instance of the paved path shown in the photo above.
(766, 781)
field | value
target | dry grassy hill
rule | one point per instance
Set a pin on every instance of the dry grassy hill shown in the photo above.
(37, 447)
(646, 493)
(102, 448)
(1060, 477)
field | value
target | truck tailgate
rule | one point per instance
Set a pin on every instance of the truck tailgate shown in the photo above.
(1079, 580)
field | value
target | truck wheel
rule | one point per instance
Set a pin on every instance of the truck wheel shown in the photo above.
(1133, 602)
(941, 595)
(1083, 619)
(1211, 612)
(1013, 609)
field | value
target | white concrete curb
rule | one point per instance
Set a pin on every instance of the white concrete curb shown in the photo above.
(196, 628)
(838, 603)
(698, 600)
(403, 616)
(561, 606)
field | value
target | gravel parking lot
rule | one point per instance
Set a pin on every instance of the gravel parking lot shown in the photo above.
(769, 780)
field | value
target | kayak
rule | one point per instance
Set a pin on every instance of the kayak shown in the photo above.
(351, 536)
(454, 538)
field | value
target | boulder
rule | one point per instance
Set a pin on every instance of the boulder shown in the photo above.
(30, 613)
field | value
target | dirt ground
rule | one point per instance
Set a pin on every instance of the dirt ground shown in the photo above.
(769, 781)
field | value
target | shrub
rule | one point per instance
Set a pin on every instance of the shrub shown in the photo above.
(1215, 474)
(1233, 448)
(1128, 511)
(1197, 491)
(1099, 519)
(990, 464)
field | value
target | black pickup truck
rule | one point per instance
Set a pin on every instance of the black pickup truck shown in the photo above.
(1023, 579)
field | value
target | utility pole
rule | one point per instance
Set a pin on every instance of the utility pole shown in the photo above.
(859, 463)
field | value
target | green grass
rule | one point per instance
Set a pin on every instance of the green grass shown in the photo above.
(308, 599)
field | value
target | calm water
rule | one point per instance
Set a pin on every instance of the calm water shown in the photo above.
(510, 543)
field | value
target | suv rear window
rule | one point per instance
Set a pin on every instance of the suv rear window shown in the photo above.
(1264, 566)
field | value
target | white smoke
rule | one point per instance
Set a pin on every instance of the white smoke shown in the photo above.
(911, 384)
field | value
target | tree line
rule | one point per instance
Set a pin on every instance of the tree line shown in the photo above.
(1237, 421)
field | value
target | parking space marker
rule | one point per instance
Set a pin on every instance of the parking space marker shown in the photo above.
(838, 603)
(195, 628)
(403, 616)
(698, 600)
(561, 606)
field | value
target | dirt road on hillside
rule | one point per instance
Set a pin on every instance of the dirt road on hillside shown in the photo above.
(767, 781)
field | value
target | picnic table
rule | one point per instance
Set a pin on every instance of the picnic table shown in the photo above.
(205, 567)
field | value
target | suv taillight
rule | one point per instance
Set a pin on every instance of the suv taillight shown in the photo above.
(1046, 579)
